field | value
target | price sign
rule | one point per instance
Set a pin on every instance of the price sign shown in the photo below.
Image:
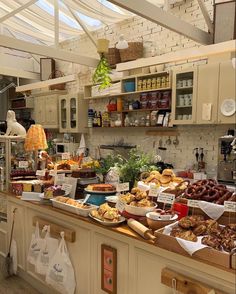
(120, 205)
(40, 173)
(23, 164)
(193, 203)
(166, 198)
(67, 188)
(65, 156)
(153, 191)
(52, 173)
(122, 187)
(230, 206)
(59, 179)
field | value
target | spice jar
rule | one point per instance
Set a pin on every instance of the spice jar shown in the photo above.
(158, 82)
(154, 83)
(163, 82)
(149, 84)
(119, 104)
(140, 85)
(144, 84)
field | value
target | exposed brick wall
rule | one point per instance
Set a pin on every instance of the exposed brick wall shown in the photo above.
(137, 28)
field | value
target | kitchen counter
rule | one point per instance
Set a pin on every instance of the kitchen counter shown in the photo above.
(140, 261)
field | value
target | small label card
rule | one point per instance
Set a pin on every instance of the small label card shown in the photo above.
(166, 198)
(193, 203)
(40, 173)
(52, 172)
(59, 179)
(23, 164)
(65, 156)
(230, 206)
(67, 188)
(153, 191)
(120, 205)
(122, 187)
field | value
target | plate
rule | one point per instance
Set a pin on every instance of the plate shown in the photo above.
(107, 223)
(228, 107)
(100, 192)
(112, 199)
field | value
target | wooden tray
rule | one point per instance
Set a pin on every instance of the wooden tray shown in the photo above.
(207, 254)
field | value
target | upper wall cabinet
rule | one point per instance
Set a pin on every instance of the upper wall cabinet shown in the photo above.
(227, 93)
(207, 93)
(46, 110)
(184, 94)
(73, 111)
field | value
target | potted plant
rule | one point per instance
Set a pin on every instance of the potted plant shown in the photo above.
(101, 74)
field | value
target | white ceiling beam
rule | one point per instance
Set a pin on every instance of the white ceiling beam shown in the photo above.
(60, 54)
(17, 10)
(206, 16)
(56, 23)
(47, 83)
(187, 54)
(80, 22)
(157, 15)
(15, 72)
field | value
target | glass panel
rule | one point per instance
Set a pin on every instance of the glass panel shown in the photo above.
(2, 166)
(63, 113)
(73, 113)
(184, 96)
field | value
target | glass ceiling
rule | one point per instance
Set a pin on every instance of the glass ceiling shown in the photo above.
(36, 22)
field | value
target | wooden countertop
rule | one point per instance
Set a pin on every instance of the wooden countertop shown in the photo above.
(121, 229)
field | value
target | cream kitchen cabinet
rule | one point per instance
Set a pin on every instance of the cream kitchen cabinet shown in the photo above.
(227, 90)
(184, 95)
(46, 110)
(207, 93)
(72, 113)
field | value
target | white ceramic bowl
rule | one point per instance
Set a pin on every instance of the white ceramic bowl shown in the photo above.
(140, 211)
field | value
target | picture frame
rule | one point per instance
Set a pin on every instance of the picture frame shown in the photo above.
(108, 269)
(47, 68)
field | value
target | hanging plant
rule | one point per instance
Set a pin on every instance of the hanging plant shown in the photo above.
(101, 74)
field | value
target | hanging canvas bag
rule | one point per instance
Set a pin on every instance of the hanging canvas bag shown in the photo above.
(60, 273)
(47, 251)
(35, 246)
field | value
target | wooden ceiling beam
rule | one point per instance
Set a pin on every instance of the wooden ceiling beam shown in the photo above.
(157, 15)
(60, 54)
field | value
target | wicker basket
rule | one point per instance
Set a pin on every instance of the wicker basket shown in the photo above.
(57, 74)
(113, 56)
(134, 51)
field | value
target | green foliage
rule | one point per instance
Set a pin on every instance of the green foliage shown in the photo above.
(107, 163)
(101, 74)
(137, 162)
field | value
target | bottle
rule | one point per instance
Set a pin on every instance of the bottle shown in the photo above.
(126, 121)
(95, 122)
(90, 118)
(119, 104)
(99, 119)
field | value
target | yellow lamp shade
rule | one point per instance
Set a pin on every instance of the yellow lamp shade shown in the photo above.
(35, 139)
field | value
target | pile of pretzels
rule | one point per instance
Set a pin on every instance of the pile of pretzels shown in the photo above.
(210, 191)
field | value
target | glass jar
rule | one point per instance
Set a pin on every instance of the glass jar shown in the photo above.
(158, 85)
(153, 118)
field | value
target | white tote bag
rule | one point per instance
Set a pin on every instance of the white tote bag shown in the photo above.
(48, 248)
(60, 273)
(35, 246)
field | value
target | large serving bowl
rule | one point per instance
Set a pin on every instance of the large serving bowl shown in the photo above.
(157, 223)
(141, 211)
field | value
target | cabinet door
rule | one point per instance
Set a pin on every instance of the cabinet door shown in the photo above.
(73, 114)
(207, 93)
(227, 90)
(51, 111)
(184, 91)
(63, 114)
(39, 110)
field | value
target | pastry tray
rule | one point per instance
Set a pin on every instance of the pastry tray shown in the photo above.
(208, 254)
(73, 209)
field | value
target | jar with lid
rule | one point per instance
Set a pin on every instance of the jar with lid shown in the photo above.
(158, 85)
(147, 122)
(142, 121)
(126, 121)
(167, 81)
(163, 82)
(149, 84)
(154, 83)
(153, 118)
(140, 85)
(144, 84)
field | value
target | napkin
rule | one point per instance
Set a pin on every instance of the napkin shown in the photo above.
(213, 210)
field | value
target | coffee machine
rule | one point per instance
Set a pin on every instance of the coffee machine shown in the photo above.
(227, 160)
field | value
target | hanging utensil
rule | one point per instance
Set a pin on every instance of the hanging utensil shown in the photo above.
(176, 141)
(201, 154)
(168, 141)
(9, 260)
(196, 154)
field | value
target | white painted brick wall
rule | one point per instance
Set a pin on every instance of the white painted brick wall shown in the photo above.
(137, 29)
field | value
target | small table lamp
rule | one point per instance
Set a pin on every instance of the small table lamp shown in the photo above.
(35, 140)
